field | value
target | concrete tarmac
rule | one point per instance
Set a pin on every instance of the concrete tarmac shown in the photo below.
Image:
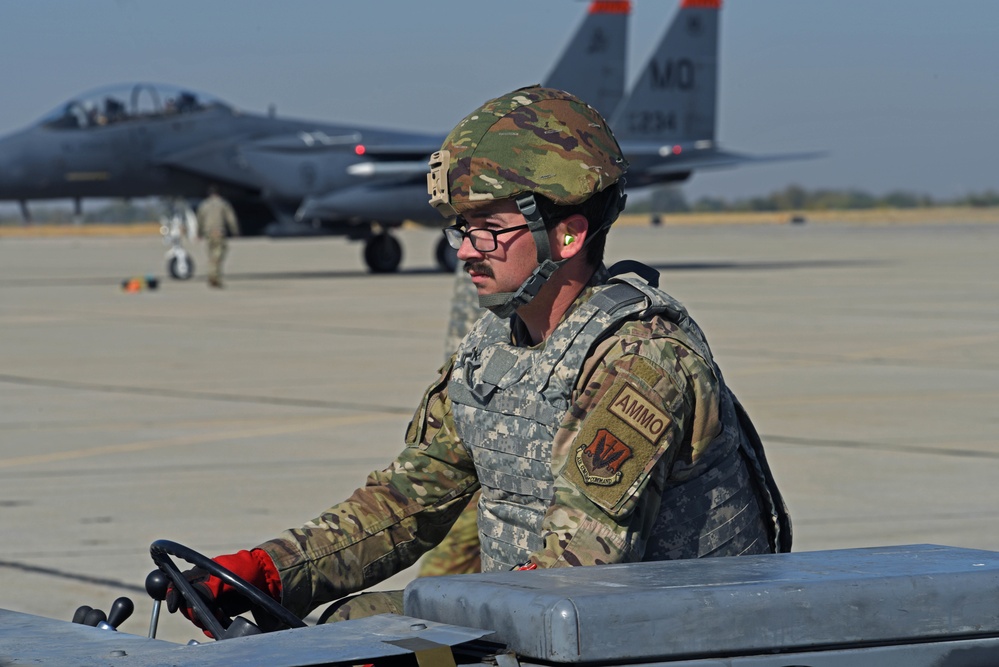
(867, 355)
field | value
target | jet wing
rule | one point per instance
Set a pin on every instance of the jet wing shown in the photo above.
(720, 160)
(320, 142)
(224, 160)
(215, 160)
(396, 147)
(390, 168)
(307, 142)
(653, 160)
(380, 200)
(424, 149)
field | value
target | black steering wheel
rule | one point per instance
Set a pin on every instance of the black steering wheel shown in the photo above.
(161, 550)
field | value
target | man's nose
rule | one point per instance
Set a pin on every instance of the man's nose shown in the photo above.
(467, 251)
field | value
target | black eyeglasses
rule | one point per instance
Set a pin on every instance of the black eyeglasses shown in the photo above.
(483, 240)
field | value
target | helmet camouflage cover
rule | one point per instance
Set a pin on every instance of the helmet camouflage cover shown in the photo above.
(533, 139)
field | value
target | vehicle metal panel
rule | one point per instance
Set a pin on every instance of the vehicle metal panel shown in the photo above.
(33, 640)
(726, 606)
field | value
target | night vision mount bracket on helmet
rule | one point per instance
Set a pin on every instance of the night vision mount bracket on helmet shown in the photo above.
(437, 187)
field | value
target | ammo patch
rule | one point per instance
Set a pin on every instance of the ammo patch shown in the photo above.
(600, 461)
(639, 413)
(614, 451)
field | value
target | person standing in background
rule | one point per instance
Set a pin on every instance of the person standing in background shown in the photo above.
(215, 217)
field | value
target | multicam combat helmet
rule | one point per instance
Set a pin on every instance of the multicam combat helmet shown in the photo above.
(531, 141)
(534, 139)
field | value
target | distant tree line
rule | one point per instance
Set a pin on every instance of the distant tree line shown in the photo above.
(797, 198)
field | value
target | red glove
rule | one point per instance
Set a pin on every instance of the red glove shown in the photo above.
(255, 567)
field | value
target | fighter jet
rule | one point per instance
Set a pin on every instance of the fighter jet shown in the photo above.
(293, 177)
(284, 177)
(142, 140)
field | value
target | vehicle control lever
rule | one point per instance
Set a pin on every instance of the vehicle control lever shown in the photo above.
(87, 615)
(121, 609)
(156, 585)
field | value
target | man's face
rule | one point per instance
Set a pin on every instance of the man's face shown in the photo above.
(504, 268)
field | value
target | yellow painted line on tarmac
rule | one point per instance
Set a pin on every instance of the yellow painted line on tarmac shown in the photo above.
(185, 441)
(87, 229)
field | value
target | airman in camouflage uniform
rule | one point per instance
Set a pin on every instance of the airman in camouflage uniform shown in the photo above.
(586, 406)
(215, 217)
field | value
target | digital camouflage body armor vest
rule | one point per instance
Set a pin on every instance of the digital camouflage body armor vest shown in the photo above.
(508, 404)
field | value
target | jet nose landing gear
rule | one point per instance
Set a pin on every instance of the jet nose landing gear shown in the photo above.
(179, 223)
(179, 264)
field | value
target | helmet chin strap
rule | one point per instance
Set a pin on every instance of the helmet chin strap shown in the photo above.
(505, 304)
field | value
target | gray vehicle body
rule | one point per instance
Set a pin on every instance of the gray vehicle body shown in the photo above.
(916, 605)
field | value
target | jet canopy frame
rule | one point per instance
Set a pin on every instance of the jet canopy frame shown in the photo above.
(110, 105)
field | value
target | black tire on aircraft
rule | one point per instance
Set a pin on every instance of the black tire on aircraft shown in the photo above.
(447, 257)
(383, 253)
(179, 270)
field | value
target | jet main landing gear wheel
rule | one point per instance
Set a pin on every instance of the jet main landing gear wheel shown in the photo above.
(383, 253)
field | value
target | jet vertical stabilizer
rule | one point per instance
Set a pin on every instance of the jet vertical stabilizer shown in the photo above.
(592, 66)
(674, 100)
(666, 124)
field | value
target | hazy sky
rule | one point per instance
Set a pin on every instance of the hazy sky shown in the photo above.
(902, 93)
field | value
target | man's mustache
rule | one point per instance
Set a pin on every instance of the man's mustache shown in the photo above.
(479, 267)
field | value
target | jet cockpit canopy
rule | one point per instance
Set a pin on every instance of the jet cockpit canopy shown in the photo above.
(123, 102)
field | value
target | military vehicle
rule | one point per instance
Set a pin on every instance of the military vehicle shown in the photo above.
(912, 606)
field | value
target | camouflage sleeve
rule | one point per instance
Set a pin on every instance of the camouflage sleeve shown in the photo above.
(633, 412)
(384, 527)
(460, 551)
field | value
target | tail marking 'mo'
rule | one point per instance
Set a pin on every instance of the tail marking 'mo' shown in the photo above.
(674, 99)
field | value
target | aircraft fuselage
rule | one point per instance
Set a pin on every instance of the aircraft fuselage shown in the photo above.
(265, 165)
